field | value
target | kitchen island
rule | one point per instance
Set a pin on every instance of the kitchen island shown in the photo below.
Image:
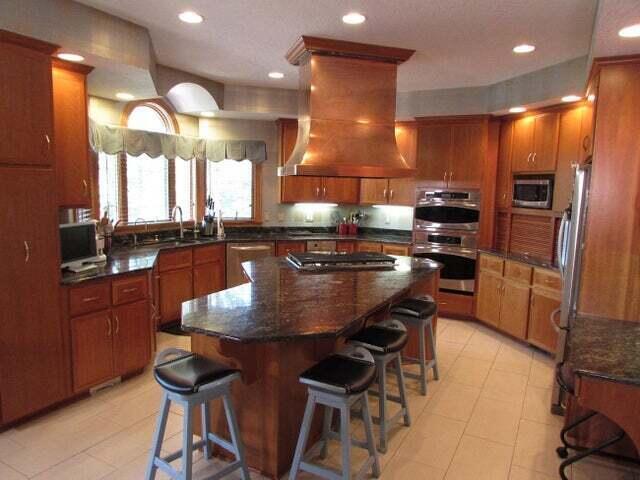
(279, 324)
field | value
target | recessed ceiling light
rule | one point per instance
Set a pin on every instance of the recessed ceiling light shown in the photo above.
(124, 96)
(353, 18)
(571, 98)
(276, 75)
(517, 110)
(208, 114)
(191, 17)
(70, 57)
(632, 31)
(524, 48)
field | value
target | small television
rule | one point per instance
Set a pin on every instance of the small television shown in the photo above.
(78, 246)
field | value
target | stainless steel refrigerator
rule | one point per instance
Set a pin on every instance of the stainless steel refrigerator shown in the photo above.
(569, 252)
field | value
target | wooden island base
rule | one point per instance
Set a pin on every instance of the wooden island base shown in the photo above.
(270, 401)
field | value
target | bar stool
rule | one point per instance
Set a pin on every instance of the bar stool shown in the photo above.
(191, 380)
(420, 312)
(338, 382)
(385, 340)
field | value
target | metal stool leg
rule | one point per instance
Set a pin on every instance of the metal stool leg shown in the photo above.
(423, 360)
(403, 394)
(432, 344)
(157, 437)
(368, 428)
(382, 402)
(345, 439)
(206, 421)
(235, 435)
(326, 430)
(304, 435)
(187, 443)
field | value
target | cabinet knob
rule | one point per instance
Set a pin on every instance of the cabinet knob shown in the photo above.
(117, 324)
(108, 327)
(48, 140)
(317, 191)
(27, 252)
(85, 187)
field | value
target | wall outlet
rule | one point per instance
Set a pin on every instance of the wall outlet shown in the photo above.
(281, 217)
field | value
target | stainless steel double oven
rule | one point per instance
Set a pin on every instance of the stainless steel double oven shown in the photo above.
(445, 229)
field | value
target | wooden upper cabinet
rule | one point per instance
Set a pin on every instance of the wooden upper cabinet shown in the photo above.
(503, 180)
(340, 190)
(434, 154)
(535, 143)
(569, 153)
(71, 131)
(26, 112)
(467, 157)
(374, 191)
(301, 189)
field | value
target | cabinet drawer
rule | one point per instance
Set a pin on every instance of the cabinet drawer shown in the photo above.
(175, 259)
(89, 298)
(285, 248)
(546, 279)
(127, 290)
(517, 271)
(491, 263)
(390, 249)
(208, 254)
(369, 247)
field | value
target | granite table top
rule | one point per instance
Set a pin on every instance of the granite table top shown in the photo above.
(281, 303)
(132, 259)
(607, 349)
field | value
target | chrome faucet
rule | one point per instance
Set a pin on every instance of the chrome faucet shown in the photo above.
(173, 219)
(135, 234)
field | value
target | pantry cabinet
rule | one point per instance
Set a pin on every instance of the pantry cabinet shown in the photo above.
(535, 142)
(503, 177)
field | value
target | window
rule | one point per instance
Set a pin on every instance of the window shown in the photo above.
(230, 184)
(134, 188)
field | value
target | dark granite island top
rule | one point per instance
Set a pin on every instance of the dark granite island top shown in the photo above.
(606, 349)
(282, 303)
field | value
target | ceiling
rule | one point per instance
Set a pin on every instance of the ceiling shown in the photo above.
(458, 43)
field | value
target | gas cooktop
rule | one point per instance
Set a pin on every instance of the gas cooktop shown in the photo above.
(319, 261)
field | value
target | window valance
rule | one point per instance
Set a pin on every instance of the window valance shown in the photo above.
(113, 140)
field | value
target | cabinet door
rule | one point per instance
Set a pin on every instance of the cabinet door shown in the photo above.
(514, 308)
(545, 142)
(284, 248)
(208, 278)
(340, 190)
(522, 149)
(373, 191)
(301, 189)
(588, 125)
(569, 154)
(346, 247)
(488, 301)
(434, 154)
(503, 180)
(402, 191)
(175, 287)
(26, 119)
(369, 247)
(92, 349)
(71, 137)
(33, 371)
(131, 337)
(467, 159)
(407, 141)
(541, 333)
(391, 249)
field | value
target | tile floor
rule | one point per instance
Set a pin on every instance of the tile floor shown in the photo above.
(486, 418)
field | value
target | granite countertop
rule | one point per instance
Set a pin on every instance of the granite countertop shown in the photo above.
(607, 349)
(281, 303)
(519, 257)
(130, 259)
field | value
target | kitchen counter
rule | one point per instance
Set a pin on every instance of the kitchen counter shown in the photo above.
(282, 303)
(606, 349)
(130, 259)
(518, 257)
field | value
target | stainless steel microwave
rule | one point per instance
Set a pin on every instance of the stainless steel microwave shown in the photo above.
(533, 191)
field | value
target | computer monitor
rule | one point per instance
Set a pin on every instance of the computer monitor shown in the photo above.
(78, 245)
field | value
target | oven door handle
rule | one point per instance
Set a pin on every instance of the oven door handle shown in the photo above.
(448, 203)
(460, 252)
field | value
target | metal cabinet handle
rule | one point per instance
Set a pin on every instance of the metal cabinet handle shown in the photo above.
(529, 157)
(117, 324)
(533, 159)
(48, 139)
(504, 196)
(85, 187)
(27, 252)
(384, 193)
(130, 290)
(551, 319)
(324, 191)
(585, 142)
(90, 299)
(108, 327)
(317, 191)
(450, 178)
(391, 194)
(444, 179)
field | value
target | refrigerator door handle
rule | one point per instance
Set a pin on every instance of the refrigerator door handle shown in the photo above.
(555, 326)
(561, 247)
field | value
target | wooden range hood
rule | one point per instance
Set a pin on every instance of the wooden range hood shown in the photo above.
(346, 110)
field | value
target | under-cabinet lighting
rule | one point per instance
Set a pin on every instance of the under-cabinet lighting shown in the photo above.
(317, 206)
(394, 207)
(190, 17)
(571, 98)
(517, 110)
(208, 114)
(632, 31)
(70, 57)
(524, 48)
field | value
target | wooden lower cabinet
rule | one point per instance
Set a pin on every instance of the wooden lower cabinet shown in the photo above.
(543, 305)
(131, 337)
(514, 308)
(207, 278)
(346, 246)
(392, 249)
(369, 247)
(285, 248)
(92, 349)
(176, 286)
(489, 294)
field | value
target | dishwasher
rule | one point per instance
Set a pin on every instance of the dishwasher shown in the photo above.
(243, 252)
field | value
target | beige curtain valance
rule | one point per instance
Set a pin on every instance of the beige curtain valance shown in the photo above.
(113, 140)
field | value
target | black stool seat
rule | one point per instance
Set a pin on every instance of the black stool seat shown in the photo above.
(187, 374)
(346, 373)
(415, 307)
(381, 339)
